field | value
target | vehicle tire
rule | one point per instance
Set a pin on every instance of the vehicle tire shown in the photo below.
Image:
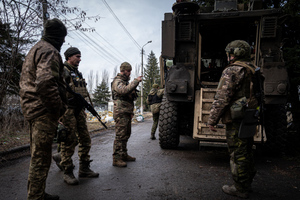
(276, 129)
(168, 125)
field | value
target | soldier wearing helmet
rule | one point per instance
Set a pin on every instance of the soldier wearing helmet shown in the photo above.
(123, 94)
(235, 88)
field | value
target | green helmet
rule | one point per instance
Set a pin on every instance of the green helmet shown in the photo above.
(239, 48)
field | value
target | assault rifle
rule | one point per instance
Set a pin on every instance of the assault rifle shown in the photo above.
(82, 103)
(260, 98)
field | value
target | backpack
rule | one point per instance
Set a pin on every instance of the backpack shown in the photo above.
(152, 99)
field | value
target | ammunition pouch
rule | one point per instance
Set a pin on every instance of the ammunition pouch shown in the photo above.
(62, 133)
(81, 89)
(237, 110)
(248, 125)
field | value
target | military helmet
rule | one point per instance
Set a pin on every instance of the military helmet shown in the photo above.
(239, 48)
(125, 66)
(155, 85)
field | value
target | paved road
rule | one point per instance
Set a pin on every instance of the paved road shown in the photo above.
(185, 173)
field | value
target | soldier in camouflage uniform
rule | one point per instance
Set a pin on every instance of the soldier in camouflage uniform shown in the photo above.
(43, 101)
(74, 120)
(236, 83)
(154, 100)
(123, 93)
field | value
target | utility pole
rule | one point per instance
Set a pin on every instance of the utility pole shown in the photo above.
(142, 77)
(45, 13)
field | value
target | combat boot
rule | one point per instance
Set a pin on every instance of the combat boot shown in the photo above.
(51, 197)
(231, 190)
(69, 177)
(128, 158)
(85, 171)
(57, 158)
(119, 163)
(152, 136)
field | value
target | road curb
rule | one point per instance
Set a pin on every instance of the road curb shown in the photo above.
(27, 146)
(15, 149)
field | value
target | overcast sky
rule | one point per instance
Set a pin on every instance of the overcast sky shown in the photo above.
(110, 45)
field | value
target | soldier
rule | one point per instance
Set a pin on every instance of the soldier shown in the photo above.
(236, 88)
(43, 101)
(123, 94)
(154, 100)
(74, 120)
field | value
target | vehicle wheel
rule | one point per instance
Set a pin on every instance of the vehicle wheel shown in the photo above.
(168, 127)
(276, 128)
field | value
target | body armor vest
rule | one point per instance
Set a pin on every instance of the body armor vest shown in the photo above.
(154, 98)
(77, 82)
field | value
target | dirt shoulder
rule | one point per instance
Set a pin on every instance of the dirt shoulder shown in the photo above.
(17, 144)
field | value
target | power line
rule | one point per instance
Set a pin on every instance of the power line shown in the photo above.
(92, 45)
(91, 42)
(112, 12)
(108, 43)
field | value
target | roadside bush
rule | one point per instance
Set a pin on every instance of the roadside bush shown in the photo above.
(14, 130)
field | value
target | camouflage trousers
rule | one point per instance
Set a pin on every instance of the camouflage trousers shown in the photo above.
(241, 157)
(42, 132)
(78, 133)
(123, 132)
(155, 122)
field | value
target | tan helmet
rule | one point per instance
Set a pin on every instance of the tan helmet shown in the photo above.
(155, 85)
(125, 66)
(239, 48)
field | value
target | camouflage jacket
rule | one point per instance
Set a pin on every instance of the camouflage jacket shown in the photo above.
(123, 94)
(155, 107)
(234, 84)
(42, 86)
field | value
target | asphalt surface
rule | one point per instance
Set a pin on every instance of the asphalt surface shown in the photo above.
(185, 173)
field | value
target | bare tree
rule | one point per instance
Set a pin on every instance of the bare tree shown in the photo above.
(22, 24)
(115, 71)
(90, 81)
(105, 76)
(97, 79)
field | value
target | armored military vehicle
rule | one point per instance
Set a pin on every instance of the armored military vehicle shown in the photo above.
(194, 39)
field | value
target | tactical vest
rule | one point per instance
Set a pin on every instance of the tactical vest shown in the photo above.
(154, 99)
(77, 82)
(245, 89)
